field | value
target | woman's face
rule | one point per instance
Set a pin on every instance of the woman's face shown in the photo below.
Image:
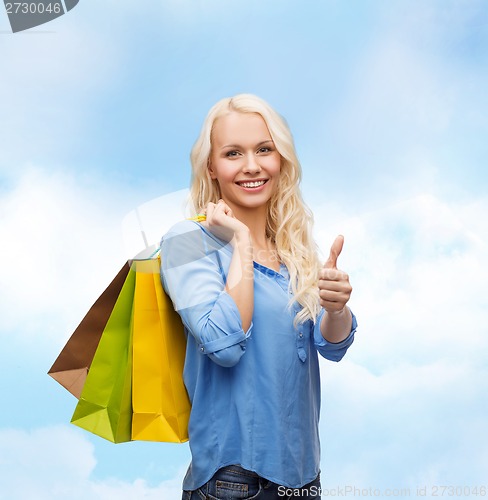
(244, 160)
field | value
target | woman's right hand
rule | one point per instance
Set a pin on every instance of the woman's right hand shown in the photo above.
(222, 223)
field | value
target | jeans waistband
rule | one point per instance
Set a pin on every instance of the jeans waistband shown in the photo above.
(238, 470)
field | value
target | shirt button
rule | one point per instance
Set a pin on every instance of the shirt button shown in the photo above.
(300, 335)
(202, 349)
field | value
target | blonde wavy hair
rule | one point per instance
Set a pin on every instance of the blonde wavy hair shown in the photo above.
(289, 221)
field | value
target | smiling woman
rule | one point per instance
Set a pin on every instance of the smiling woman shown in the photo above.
(249, 289)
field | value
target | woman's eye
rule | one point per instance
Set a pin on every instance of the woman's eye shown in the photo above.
(231, 153)
(264, 150)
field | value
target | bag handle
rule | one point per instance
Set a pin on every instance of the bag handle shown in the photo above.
(198, 218)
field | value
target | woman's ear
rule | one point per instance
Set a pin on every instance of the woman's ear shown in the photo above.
(211, 171)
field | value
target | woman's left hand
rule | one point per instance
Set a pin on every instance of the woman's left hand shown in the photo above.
(334, 287)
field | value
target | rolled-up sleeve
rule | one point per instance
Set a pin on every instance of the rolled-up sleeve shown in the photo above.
(329, 350)
(193, 277)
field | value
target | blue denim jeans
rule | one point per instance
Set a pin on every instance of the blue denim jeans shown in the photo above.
(233, 482)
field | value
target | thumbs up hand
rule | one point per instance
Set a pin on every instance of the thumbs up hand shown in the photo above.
(334, 287)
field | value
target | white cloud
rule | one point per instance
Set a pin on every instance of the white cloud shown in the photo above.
(58, 463)
(419, 281)
(407, 404)
(412, 425)
(61, 246)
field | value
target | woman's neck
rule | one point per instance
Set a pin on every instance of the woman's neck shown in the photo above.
(264, 250)
(255, 220)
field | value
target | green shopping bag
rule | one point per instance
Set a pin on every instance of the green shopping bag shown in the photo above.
(105, 405)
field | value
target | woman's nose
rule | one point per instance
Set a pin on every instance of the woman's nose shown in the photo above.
(252, 164)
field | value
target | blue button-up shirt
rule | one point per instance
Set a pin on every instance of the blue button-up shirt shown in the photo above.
(255, 395)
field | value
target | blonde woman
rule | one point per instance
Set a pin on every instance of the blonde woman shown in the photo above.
(257, 307)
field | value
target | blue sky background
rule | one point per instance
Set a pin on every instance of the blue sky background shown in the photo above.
(388, 105)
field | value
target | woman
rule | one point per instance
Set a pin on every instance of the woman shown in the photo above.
(257, 308)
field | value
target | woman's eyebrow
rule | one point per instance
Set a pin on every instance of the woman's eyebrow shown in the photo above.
(262, 143)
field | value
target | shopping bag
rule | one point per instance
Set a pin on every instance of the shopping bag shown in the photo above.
(71, 366)
(105, 406)
(161, 407)
(96, 364)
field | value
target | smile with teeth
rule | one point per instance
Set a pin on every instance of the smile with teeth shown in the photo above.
(251, 184)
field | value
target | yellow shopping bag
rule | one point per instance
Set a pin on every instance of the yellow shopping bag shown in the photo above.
(160, 403)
